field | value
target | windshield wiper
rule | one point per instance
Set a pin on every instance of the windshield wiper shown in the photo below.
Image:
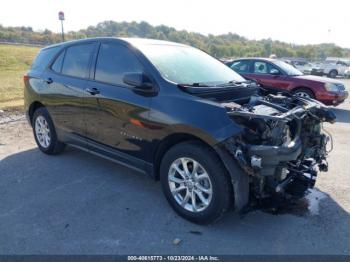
(194, 85)
(231, 83)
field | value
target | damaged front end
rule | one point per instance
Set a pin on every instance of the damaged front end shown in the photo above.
(283, 144)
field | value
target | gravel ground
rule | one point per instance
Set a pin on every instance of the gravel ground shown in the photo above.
(77, 203)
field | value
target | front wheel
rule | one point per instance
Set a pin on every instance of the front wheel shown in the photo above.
(45, 133)
(304, 92)
(195, 182)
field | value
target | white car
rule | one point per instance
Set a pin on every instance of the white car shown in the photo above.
(332, 67)
(347, 72)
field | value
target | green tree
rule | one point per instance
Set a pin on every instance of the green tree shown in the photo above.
(226, 45)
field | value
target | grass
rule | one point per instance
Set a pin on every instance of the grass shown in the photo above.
(14, 62)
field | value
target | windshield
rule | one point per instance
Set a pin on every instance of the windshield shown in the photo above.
(288, 69)
(188, 65)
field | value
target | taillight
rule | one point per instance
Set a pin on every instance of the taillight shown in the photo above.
(25, 78)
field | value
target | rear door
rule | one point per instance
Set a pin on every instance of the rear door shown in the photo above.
(242, 67)
(114, 112)
(66, 81)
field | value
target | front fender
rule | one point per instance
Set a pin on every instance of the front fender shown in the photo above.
(202, 118)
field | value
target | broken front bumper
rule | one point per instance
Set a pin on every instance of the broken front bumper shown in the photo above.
(272, 156)
(281, 171)
(262, 159)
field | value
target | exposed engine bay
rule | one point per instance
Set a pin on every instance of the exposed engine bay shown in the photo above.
(283, 145)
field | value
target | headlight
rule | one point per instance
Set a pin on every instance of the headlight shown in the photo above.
(330, 87)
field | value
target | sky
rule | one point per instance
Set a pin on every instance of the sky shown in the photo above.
(292, 21)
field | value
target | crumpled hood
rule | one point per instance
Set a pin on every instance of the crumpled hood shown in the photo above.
(319, 79)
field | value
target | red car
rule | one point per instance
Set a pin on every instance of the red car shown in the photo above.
(275, 75)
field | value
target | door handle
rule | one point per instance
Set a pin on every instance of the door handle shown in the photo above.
(48, 80)
(93, 91)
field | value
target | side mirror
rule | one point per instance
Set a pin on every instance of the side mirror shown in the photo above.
(139, 81)
(275, 72)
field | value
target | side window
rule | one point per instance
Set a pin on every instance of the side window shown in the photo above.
(113, 62)
(342, 63)
(299, 63)
(260, 67)
(273, 70)
(241, 66)
(76, 60)
(57, 65)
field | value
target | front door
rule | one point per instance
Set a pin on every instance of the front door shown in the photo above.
(114, 112)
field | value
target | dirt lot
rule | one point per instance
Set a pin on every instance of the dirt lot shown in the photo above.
(77, 203)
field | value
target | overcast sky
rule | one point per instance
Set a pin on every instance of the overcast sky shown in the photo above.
(295, 21)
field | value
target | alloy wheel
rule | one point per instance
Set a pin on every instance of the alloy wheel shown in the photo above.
(302, 94)
(190, 184)
(42, 131)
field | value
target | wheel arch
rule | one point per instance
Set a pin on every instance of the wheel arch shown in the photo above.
(33, 106)
(170, 141)
(238, 178)
(333, 70)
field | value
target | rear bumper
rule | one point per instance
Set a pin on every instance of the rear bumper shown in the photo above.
(28, 117)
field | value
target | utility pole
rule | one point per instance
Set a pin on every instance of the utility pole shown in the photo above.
(61, 18)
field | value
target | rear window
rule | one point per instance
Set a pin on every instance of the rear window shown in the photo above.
(43, 58)
(76, 60)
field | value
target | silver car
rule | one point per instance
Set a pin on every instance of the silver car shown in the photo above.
(331, 67)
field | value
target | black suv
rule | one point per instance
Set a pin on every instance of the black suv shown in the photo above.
(173, 112)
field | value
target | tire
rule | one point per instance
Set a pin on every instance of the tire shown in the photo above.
(219, 183)
(43, 127)
(333, 74)
(304, 92)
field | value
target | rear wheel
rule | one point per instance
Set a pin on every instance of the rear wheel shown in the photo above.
(333, 74)
(304, 92)
(45, 133)
(195, 182)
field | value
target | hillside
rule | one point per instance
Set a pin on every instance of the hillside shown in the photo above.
(227, 45)
(14, 62)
